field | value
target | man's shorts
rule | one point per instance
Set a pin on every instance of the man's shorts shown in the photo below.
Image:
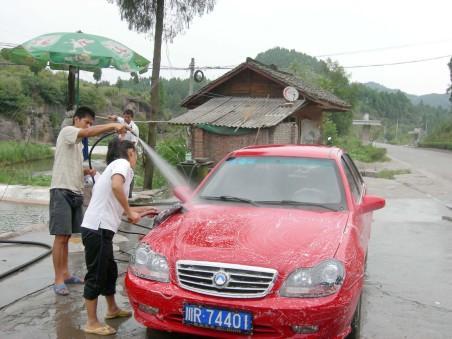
(65, 210)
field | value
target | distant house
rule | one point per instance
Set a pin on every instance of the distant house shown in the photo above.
(246, 106)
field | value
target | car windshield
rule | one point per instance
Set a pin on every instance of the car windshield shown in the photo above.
(285, 181)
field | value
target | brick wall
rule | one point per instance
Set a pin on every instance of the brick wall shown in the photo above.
(215, 147)
(285, 133)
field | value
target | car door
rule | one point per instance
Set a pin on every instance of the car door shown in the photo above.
(358, 190)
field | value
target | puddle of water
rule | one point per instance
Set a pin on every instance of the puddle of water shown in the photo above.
(17, 216)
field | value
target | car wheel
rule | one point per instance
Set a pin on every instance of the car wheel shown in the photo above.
(356, 321)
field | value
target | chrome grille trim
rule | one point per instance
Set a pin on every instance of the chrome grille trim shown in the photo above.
(243, 281)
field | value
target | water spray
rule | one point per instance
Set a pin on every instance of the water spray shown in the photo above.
(181, 189)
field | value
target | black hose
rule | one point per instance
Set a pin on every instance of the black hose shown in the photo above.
(28, 263)
(92, 148)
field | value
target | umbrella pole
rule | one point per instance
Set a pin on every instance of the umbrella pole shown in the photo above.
(78, 87)
(71, 88)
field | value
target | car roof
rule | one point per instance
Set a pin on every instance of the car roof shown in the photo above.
(309, 151)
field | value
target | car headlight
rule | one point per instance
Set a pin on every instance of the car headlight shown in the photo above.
(324, 279)
(147, 264)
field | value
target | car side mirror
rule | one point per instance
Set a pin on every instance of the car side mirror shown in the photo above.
(371, 203)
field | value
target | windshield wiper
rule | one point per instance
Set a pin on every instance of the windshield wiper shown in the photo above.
(228, 198)
(296, 203)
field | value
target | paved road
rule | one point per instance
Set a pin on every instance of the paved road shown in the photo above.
(408, 286)
(432, 170)
(431, 162)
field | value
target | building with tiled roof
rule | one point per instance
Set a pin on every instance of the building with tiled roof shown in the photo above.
(246, 106)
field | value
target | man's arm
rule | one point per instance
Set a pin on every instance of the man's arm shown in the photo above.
(101, 129)
(117, 185)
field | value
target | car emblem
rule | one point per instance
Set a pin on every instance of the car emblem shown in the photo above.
(220, 279)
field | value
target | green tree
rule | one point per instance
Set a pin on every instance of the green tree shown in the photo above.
(166, 19)
(97, 75)
(12, 101)
(449, 90)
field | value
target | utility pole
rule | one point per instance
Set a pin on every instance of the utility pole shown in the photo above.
(397, 130)
(190, 80)
(188, 155)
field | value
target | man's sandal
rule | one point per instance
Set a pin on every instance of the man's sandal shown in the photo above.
(103, 330)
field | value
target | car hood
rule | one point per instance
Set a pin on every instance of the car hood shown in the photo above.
(279, 238)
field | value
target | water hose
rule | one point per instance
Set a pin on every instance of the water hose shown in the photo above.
(28, 263)
(92, 148)
(95, 144)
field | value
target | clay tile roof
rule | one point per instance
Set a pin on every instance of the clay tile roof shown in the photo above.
(310, 92)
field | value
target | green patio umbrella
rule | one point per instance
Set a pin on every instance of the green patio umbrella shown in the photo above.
(75, 51)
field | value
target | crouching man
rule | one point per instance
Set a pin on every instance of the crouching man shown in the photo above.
(100, 223)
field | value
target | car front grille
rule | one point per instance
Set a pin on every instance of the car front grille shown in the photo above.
(225, 280)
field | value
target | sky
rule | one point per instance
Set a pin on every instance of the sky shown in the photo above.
(377, 32)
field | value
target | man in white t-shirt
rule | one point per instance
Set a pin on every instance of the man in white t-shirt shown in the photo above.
(65, 206)
(127, 118)
(100, 223)
(132, 135)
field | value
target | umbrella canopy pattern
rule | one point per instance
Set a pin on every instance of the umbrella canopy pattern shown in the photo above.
(85, 51)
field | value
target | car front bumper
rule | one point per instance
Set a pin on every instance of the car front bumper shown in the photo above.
(160, 306)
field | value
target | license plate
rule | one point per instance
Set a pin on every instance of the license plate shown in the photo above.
(219, 319)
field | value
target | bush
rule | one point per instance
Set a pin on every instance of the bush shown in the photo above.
(358, 151)
(12, 102)
(173, 151)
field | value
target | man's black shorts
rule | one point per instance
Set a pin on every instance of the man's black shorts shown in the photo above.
(65, 210)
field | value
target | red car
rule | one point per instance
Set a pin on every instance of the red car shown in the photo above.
(271, 244)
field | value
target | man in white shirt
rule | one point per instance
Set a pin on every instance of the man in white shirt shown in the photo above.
(127, 118)
(65, 206)
(100, 223)
(132, 135)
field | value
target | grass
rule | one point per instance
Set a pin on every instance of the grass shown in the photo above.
(16, 152)
(19, 177)
(390, 174)
(14, 157)
(437, 144)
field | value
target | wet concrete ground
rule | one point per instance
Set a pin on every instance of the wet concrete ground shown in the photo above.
(407, 292)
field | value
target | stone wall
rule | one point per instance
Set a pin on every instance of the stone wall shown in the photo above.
(37, 128)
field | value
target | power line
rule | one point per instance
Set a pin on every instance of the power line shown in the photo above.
(401, 62)
(381, 48)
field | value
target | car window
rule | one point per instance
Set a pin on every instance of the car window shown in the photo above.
(352, 181)
(295, 179)
(354, 170)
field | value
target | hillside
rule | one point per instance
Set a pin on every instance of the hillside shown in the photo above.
(433, 99)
